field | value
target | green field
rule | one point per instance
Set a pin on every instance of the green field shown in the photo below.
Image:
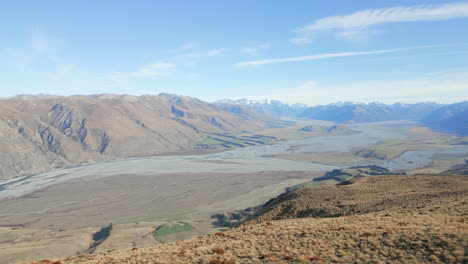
(169, 229)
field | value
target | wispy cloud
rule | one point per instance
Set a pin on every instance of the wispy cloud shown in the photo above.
(316, 57)
(253, 50)
(166, 67)
(202, 54)
(358, 23)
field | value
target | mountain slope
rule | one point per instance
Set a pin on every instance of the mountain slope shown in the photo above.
(361, 196)
(344, 112)
(451, 118)
(426, 223)
(43, 133)
(356, 112)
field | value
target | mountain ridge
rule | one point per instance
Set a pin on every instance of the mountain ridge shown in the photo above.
(274, 108)
(449, 118)
(39, 134)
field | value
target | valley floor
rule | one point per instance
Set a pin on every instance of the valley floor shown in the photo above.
(429, 226)
(44, 215)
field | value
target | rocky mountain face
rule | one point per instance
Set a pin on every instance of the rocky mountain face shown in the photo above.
(269, 107)
(39, 134)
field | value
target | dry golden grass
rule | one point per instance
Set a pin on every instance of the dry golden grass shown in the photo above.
(430, 227)
(365, 195)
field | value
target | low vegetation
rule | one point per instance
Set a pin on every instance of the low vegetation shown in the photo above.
(304, 185)
(168, 229)
(378, 219)
(227, 140)
(362, 196)
(100, 236)
(340, 175)
(334, 130)
(232, 219)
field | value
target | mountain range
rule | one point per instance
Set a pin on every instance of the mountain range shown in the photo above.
(452, 118)
(39, 134)
(345, 112)
(273, 108)
(43, 132)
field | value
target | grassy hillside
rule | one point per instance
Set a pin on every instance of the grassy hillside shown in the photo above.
(378, 219)
(363, 196)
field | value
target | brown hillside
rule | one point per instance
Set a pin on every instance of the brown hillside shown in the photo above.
(364, 195)
(429, 226)
(42, 133)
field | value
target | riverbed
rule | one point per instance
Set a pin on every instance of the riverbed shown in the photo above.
(240, 160)
(183, 186)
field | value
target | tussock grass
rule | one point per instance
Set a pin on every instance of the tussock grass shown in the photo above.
(425, 222)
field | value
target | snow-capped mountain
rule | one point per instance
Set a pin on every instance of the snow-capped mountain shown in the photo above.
(269, 107)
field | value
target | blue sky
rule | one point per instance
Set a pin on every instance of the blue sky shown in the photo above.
(313, 52)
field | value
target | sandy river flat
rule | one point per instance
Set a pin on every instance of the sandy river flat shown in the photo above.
(124, 198)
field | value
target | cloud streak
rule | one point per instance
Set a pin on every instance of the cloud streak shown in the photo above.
(203, 54)
(161, 68)
(361, 21)
(315, 57)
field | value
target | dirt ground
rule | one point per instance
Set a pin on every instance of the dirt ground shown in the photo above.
(129, 198)
(44, 224)
(330, 158)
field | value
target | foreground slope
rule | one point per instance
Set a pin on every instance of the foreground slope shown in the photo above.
(40, 134)
(396, 219)
(361, 196)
